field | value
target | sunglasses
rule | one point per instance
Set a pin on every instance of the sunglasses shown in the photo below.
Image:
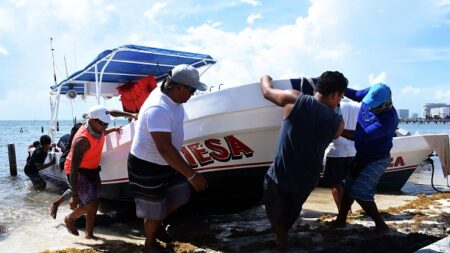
(101, 123)
(191, 89)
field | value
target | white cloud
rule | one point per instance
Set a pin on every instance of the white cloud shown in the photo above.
(430, 54)
(6, 20)
(409, 90)
(443, 3)
(381, 78)
(252, 2)
(335, 53)
(443, 95)
(357, 38)
(3, 51)
(156, 10)
(20, 99)
(254, 16)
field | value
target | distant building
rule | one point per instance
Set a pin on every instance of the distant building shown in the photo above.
(414, 115)
(403, 113)
(444, 112)
(436, 110)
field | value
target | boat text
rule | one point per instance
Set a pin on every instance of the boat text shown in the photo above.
(210, 150)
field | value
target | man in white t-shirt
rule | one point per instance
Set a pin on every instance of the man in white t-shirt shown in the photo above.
(340, 152)
(159, 176)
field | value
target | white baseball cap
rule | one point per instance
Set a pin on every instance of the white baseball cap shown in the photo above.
(187, 75)
(99, 112)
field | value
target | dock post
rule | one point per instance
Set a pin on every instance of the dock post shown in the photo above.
(12, 159)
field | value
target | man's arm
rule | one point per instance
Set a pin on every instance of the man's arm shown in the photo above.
(277, 96)
(348, 134)
(356, 95)
(113, 129)
(38, 157)
(41, 166)
(163, 142)
(117, 113)
(80, 147)
(340, 129)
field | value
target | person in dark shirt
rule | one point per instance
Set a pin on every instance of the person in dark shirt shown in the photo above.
(375, 130)
(310, 124)
(31, 149)
(36, 162)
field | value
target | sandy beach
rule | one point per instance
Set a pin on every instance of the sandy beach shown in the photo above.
(415, 221)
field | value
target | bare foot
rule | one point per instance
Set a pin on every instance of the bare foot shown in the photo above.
(71, 226)
(282, 243)
(91, 237)
(53, 210)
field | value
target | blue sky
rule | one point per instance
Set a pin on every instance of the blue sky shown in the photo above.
(404, 43)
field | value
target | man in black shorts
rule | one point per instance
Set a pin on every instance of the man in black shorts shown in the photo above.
(310, 124)
(36, 162)
(340, 153)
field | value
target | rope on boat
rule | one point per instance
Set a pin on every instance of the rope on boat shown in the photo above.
(429, 160)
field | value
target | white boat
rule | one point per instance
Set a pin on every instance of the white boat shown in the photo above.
(230, 137)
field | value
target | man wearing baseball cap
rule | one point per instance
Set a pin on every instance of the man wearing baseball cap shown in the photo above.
(159, 177)
(82, 164)
(375, 129)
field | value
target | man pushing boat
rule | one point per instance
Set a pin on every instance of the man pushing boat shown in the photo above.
(310, 124)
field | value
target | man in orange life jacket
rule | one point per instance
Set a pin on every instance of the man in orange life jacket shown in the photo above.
(83, 165)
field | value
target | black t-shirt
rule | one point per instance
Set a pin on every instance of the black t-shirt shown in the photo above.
(63, 142)
(38, 157)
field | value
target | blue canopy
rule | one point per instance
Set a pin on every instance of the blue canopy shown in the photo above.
(130, 63)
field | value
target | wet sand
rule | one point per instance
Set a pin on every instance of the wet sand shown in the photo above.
(415, 221)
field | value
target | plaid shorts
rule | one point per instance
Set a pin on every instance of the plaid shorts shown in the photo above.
(157, 210)
(364, 185)
(88, 191)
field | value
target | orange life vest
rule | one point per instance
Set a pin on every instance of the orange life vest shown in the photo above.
(92, 157)
(133, 95)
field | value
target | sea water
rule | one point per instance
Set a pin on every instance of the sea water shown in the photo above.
(24, 218)
(23, 210)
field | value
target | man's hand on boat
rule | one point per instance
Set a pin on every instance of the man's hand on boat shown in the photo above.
(198, 181)
(117, 129)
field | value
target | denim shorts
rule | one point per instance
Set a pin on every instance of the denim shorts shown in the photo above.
(364, 185)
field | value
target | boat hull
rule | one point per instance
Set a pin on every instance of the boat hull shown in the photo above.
(230, 137)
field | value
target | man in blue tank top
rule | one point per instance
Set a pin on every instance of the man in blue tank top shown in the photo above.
(310, 124)
(375, 129)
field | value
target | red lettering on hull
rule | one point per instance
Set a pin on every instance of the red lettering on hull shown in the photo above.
(397, 162)
(219, 153)
(198, 154)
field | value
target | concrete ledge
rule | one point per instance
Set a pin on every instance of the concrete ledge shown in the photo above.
(442, 245)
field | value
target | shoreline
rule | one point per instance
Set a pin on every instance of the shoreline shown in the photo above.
(415, 222)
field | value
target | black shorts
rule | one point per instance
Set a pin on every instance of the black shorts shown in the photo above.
(336, 169)
(282, 208)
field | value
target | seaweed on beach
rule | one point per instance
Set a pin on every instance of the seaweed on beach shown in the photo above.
(422, 202)
(236, 232)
